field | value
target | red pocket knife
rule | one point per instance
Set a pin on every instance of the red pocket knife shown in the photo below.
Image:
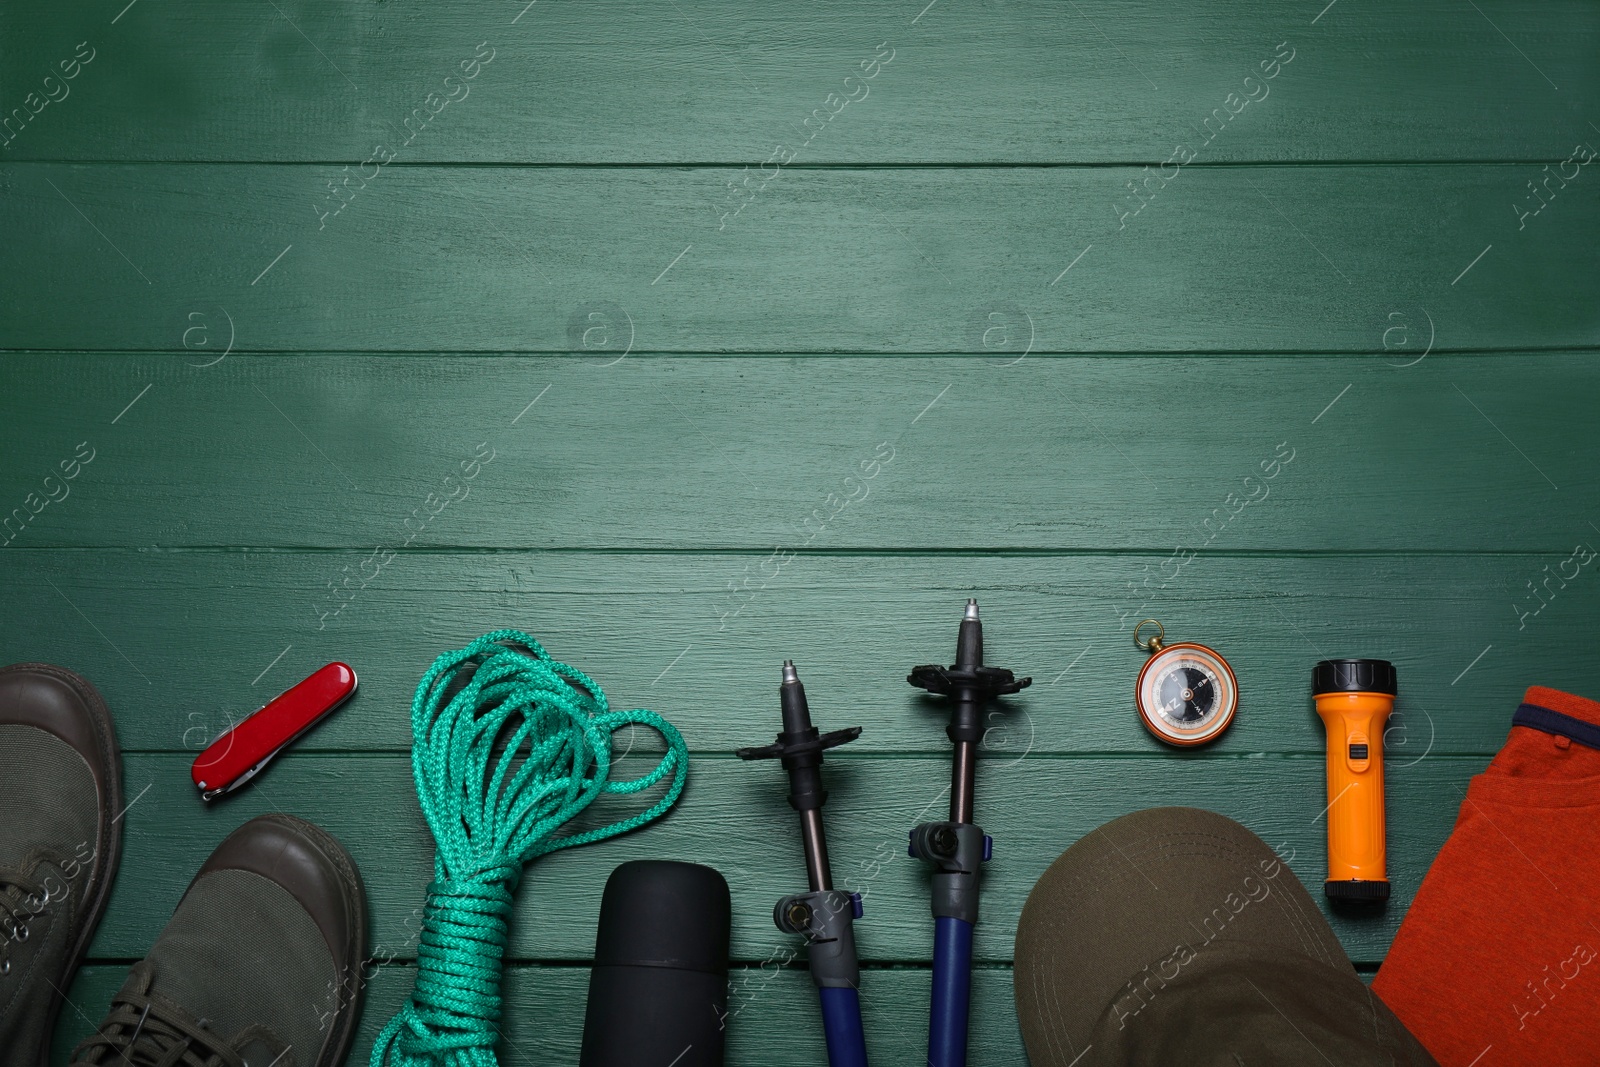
(240, 753)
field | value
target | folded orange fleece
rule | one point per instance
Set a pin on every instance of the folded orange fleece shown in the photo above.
(1497, 963)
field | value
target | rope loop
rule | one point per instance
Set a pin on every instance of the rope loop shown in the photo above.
(509, 745)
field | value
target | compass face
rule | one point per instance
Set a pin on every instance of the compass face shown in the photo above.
(1187, 694)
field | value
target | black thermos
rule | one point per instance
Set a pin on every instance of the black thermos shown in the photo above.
(658, 993)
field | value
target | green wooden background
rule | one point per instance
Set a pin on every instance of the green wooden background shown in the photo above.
(276, 348)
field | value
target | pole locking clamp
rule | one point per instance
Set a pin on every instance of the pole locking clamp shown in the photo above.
(957, 852)
(826, 919)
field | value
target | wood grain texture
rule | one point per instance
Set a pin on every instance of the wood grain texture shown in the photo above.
(677, 351)
(910, 260)
(1451, 454)
(772, 1014)
(717, 81)
(184, 643)
(734, 817)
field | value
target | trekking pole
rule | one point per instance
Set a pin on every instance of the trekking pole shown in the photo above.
(825, 915)
(957, 848)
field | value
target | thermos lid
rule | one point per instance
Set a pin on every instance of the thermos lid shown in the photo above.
(662, 913)
(1354, 676)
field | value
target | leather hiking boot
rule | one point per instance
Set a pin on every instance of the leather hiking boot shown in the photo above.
(60, 836)
(260, 966)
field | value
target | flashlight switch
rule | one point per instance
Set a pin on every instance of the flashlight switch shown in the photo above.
(1359, 755)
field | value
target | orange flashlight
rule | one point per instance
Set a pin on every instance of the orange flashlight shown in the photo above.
(1354, 698)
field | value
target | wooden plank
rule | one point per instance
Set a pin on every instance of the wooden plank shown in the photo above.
(772, 1014)
(902, 260)
(714, 80)
(735, 818)
(184, 643)
(1075, 455)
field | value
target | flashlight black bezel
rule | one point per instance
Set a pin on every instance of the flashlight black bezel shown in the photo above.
(1354, 676)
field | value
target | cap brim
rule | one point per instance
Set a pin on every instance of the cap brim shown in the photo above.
(1140, 895)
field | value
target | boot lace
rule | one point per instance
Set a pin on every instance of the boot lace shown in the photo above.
(143, 1032)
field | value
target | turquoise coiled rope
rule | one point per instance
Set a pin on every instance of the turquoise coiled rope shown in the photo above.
(490, 816)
